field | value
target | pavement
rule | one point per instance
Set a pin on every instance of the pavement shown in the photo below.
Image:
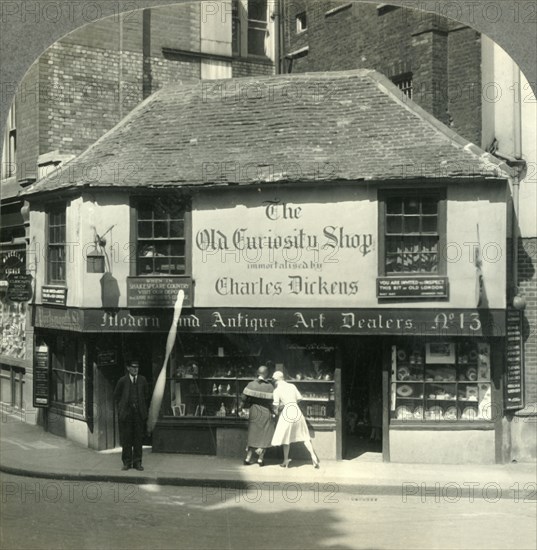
(30, 451)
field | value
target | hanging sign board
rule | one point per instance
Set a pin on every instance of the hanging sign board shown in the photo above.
(41, 377)
(19, 287)
(514, 362)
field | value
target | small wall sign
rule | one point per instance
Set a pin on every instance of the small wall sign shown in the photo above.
(157, 291)
(41, 377)
(54, 295)
(412, 287)
(19, 287)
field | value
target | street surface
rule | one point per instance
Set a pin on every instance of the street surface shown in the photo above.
(45, 513)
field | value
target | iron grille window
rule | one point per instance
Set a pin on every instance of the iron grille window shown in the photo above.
(56, 246)
(404, 83)
(412, 234)
(161, 248)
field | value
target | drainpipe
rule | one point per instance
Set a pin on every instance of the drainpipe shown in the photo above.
(517, 153)
(278, 34)
(120, 67)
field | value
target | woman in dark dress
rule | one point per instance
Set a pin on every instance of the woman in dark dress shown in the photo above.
(257, 396)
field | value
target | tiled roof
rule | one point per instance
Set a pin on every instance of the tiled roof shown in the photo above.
(334, 126)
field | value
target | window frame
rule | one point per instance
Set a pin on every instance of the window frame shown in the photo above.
(186, 239)
(76, 408)
(50, 279)
(301, 22)
(404, 193)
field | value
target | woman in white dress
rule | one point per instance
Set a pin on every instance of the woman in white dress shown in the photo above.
(291, 426)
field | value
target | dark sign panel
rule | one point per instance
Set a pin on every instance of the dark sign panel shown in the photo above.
(514, 361)
(41, 377)
(19, 287)
(157, 291)
(54, 295)
(412, 287)
(404, 322)
(106, 358)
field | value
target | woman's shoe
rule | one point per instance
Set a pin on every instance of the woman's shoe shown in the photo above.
(261, 462)
(316, 463)
(247, 463)
(285, 464)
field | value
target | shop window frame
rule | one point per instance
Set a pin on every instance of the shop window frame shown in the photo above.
(186, 239)
(59, 245)
(78, 409)
(409, 193)
(459, 383)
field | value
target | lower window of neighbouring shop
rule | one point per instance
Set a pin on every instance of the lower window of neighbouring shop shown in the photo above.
(12, 380)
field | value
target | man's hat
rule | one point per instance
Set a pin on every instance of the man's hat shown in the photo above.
(134, 364)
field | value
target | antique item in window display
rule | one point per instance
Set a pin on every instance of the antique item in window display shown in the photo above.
(440, 353)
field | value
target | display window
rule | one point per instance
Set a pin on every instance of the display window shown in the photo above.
(441, 381)
(210, 373)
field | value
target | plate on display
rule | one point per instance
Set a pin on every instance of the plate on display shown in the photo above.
(401, 355)
(403, 373)
(469, 413)
(404, 390)
(418, 412)
(471, 374)
(403, 413)
(435, 413)
(451, 413)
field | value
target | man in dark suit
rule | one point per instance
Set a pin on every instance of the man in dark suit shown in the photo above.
(131, 395)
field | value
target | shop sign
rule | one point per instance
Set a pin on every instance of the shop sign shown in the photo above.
(412, 287)
(12, 260)
(411, 322)
(514, 361)
(154, 292)
(19, 287)
(54, 295)
(41, 377)
(290, 251)
(59, 319)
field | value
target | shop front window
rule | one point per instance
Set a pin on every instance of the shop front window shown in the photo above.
(441, 382)
(161, 243)
(412, 228)
(56, 246)
(67, 363)
(208, 376)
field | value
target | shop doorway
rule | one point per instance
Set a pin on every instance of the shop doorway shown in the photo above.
(362, 398)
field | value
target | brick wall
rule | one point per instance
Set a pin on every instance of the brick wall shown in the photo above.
(464, 79)
(527, 282)
(440, 55)
(242, 68)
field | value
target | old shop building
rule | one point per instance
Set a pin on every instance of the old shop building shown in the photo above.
(291, 220)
